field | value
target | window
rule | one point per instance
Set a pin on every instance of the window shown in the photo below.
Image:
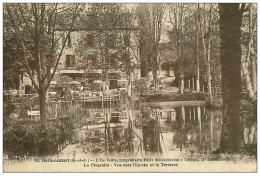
(69, 40)
(70, 61)
(90, 40)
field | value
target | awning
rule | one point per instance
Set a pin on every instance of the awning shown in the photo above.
(53, 83)
(71, 71)
(75, 82)
(98, 81)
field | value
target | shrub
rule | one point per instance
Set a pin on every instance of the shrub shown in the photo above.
(8, 106)
(25, 137)
(140, 86)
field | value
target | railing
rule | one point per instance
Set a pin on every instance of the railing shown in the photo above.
(74, 108)
(28, 106)
(61, 109)
(96, 97)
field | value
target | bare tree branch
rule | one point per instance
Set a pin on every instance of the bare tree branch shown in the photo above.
(26, 23)
(23, 48)
(63, 46)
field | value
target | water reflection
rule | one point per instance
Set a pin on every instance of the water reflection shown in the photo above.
(186, 130)
(164, 131)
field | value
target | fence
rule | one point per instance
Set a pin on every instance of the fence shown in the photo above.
(76, 108)
(63, 109)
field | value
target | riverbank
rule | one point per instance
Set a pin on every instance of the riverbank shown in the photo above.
(173, 104)
(174, 97)
(216, 103)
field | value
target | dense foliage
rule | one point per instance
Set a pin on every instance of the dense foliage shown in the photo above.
(26, 138)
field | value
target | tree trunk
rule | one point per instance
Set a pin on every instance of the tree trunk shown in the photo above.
(197, 52)
(209, 83)
(43, 109)
(189, 84)
(181, 84)
(155, 69)
(199, 120)
(230, 57)
(211, 119)
(254, 80)
(250, 84)
(129, 86)
(252, 60)
(193, 83)
(207, 59)
(209, 73)
(155, 80)
(180, 120)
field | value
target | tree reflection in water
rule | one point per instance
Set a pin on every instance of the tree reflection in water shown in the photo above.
(174, 131)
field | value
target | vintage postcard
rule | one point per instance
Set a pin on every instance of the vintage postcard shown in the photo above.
(115, 87)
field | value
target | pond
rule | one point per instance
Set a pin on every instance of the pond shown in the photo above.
(158, 131)
(154, 129)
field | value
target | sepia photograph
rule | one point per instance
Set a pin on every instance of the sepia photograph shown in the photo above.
(129, 87)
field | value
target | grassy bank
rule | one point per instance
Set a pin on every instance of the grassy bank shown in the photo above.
(174, 97)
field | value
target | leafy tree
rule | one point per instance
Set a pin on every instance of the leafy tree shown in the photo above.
(150, 20)
(193, 57)
(34, 27)
(208, 30)
(111, 28)
(100, 21)
(12, 68)
(177, 18)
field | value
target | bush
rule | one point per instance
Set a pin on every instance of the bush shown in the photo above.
(8, 106)
(28, 138)
(140, 86)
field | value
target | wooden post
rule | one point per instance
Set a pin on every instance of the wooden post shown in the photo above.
(199, 119)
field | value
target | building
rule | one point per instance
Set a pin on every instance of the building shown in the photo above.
(91, 55)
(83, 59)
